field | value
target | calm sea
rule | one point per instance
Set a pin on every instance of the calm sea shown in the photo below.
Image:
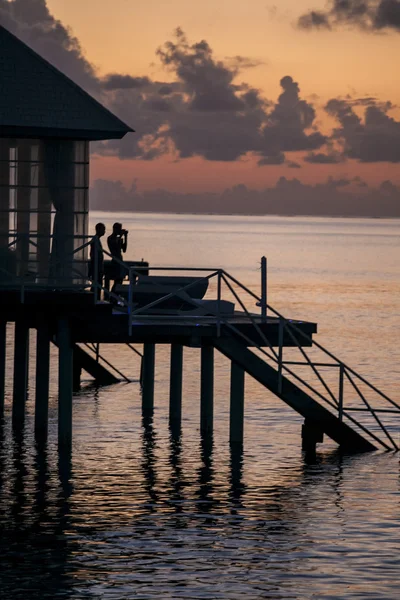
(137, 514)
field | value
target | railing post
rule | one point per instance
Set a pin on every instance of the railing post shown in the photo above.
(130, 295)
(219, 305)
(95, 275)
(341, 384)
(280, 354)
(264, 288)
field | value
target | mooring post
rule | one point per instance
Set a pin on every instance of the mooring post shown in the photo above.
(175, 387)
(3, 345)
(65, 376)
(149, 353)
(237, 404)
(42, 381)
(207, 390)
(21, 364)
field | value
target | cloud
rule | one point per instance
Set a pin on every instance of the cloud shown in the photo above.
(115, 81)
(373, 138)
(320, 158)
(335, 197)
(314, 20)
(207, 111)
(32, 22)
(369, 15)
(208, 82)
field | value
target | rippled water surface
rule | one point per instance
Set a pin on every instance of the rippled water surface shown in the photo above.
(138, 513)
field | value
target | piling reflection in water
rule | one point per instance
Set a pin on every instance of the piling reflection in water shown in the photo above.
(182, 518)
(36, 548)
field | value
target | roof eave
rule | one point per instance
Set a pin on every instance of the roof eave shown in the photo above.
(18, 131)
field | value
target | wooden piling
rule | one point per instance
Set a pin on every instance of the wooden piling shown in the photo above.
(65, 383)
(175, 387)
(207, 390)
(311, 434)
(77, 373)
(149, 351)
(3, 334)
(236, 404)
(21, 364)
(42, 381)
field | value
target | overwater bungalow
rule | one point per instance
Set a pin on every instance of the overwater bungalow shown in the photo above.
(46, 125)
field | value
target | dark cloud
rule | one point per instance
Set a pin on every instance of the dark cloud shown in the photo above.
(288, 124)
(370, 15)
(373, 138)
(208, 82)
(274, 159)
(335, 197)
(33, 23)
(314, 20)
(114, 81)
(388, 14)
(320, 158)
(241, 63)
(165, 90)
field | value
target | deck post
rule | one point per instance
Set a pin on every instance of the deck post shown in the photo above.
(311, 435)
(65, 372)
(42, 381)
(264, 288)
(76, 372)
(3, 339)
(21, 363)
(237, 404)
(175, 387)
(207, 390)
(149, 351)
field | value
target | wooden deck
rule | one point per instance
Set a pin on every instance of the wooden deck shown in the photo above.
(101, 323)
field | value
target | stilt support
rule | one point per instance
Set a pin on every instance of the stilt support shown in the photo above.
(3, 333)
(42, 381)
(149, 353)
(207, 390)
(65, 372)
(175, 387)
(77, 374)
(311, 435)
(21, 364)
(237, 404)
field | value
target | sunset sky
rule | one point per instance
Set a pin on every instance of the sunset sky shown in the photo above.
(222, 121)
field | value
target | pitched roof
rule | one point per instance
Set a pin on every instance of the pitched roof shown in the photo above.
(37, 100)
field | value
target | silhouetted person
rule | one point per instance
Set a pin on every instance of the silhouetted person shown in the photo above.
(96, 266)
(117, 244)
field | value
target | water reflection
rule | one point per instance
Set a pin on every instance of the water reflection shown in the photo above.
(148, 463)
(36, 548)
(180, 519)
(176, 478)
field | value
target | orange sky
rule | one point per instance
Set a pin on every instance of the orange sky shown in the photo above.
(123, 35)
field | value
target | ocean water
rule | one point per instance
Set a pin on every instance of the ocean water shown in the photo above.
(138, 513)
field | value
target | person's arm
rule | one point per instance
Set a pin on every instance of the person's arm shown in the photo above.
(124, 242)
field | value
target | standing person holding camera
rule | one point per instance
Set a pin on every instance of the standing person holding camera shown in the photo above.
(117, 244)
